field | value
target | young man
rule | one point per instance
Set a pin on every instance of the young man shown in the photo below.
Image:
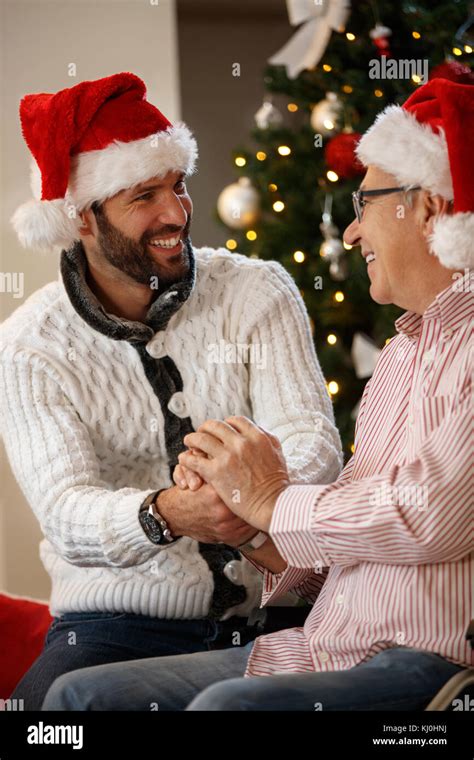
(104, 372)
(387, 628)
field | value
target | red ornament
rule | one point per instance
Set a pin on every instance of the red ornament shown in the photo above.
(455, 71)
(379, 36)
(340, 155)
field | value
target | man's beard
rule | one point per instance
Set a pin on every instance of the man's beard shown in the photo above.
(134, 260)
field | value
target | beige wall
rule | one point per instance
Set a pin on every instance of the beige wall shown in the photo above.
(213, 35)
(39, 39)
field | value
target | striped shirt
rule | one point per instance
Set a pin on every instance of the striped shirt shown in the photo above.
(385, 553)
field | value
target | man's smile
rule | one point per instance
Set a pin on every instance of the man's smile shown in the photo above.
(167, 246)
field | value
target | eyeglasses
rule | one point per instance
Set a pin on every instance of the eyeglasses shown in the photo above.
(359, 195)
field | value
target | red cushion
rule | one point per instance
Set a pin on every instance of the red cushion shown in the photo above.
(23, 627)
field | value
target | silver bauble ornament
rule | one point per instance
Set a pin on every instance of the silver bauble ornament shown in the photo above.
(331, 248)
(338, 269)
(267, 115)
(326, 115)
(238, 204)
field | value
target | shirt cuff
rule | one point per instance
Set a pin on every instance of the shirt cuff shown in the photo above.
(277, 584)
(291, 527)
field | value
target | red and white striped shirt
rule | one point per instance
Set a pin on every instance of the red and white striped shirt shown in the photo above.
(385, 553)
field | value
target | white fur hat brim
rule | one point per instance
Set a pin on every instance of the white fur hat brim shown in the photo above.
(398, 144)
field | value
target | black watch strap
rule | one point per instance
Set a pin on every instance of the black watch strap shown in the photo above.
(154, 526)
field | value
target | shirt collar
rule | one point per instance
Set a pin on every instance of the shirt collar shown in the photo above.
(452, 307)
(73, 269)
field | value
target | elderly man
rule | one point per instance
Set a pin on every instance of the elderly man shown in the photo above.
(104, 372)
(394, 531)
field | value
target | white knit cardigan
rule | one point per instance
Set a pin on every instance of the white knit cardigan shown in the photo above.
(84, 429)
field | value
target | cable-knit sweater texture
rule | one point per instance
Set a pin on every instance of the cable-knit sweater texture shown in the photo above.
(84, 429)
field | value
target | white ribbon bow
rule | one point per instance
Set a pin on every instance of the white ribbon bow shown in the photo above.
(306, 48)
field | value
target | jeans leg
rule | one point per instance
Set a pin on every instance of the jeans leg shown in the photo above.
(80, 640)
(164, 683)
(395, 679)
(52, 663)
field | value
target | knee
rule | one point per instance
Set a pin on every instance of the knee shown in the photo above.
(70, 692)
(232, 694)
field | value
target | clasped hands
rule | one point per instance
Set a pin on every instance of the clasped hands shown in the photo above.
(242, 462)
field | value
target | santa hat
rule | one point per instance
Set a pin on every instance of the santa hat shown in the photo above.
(429, 141)
(89, 142)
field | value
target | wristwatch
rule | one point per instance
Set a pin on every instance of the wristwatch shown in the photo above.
(153, 524)
(255, 542)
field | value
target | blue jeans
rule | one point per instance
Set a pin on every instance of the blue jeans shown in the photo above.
(83, 639)
(395, 679)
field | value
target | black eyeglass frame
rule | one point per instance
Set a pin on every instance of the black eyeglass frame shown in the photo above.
(358, 196)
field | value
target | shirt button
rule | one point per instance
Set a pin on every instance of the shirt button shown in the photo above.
(428, 356)
(447, 333)
(340, 599)
(178, 405)
(323, 656)
(156, 346)
(411, 420)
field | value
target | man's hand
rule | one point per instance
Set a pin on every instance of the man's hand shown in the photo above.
(185, 478)
(244, 463)
(203, 516)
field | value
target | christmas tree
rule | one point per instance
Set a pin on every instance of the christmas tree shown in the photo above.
(301, 165)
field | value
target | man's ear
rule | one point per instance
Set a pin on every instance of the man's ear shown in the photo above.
(88, 223)
(433, 206)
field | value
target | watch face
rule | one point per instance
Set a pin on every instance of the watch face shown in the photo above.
(151, 527)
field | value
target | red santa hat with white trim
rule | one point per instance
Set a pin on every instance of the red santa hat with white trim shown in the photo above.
(429, 141)
(89, 142)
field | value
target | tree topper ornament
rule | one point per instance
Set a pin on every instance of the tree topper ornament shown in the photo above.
(306, 48)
